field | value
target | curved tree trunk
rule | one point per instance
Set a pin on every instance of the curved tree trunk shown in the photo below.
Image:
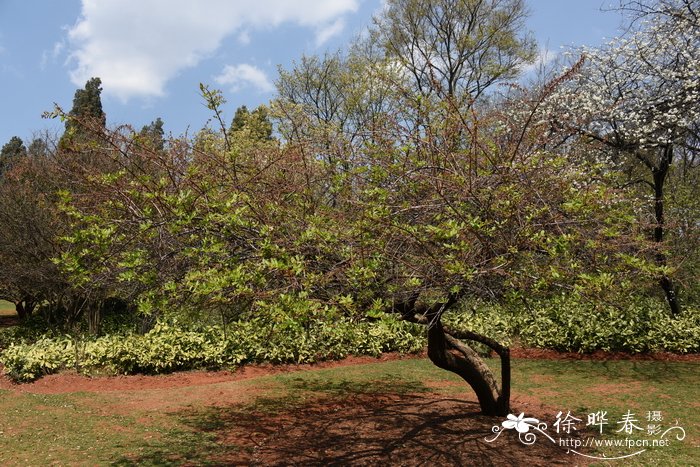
(450, 354)
(446, 351)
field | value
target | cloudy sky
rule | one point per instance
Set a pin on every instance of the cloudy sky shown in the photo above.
(152, 54)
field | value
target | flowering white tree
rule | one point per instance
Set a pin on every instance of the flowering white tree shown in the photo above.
(639, 96)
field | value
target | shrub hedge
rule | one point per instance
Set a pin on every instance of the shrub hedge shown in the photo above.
(564, 324)
(169, 347)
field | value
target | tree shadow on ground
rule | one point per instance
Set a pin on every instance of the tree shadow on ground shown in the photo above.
(7, 321)
(341, 425)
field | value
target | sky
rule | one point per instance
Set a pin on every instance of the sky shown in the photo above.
(152, 54)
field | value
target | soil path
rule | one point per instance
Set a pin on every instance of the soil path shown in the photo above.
(70, 382)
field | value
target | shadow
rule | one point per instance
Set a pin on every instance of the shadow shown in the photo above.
(341, 387)
(7, 321)
(357, 428)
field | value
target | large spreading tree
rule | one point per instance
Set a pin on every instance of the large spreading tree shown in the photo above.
(452, 199)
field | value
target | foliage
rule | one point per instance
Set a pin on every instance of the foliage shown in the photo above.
(86, 111)
(31, 224)
(253, 126)
(11, 151)
(634, 102)
(153, 135)
(572, 325)
(169, 346)
(562, 323)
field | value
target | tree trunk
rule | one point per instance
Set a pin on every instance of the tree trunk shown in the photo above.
(95, 317)
(21, 313)
(446, 351)
(25, 308)
(450, 354)
(660, 172)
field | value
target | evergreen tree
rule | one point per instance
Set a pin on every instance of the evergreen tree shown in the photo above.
(13, 150)
(240, 119)
(256, 125)
(87, 110)
(153, 135)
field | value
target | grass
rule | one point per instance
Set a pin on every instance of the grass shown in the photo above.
(189, 425)
(7, 308)
(616, 387)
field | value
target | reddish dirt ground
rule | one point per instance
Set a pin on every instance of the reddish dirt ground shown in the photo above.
(546, 354)
(71, 382)
(360, 429)
(380, 429)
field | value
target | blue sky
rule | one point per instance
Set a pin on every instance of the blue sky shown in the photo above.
(152, 54)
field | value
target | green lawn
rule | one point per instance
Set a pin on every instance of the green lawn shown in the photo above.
(198, 424)
(7, 308)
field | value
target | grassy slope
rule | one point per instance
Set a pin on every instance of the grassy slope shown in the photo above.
(160, 426)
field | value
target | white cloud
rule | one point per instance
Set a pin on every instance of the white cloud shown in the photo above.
(52, 55)
(326, 32)
(244, 75)
(136, 46)
(244, 37)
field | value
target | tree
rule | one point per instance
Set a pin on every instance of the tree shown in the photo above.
(39, 148)
(451, 199)
(314, 104)
(240, 119)
(455, 49)
(428, 227)
(160, 228)
(253, 126)
(637, 97)
(85, 117)
(415, 230)
(153, 135)
(11, 152)
(87, 104)
(420, 226)
(32, 226)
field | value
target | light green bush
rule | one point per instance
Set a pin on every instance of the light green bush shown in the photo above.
(641, 325)
(169, 347)
(563, 323)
